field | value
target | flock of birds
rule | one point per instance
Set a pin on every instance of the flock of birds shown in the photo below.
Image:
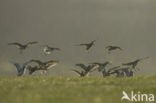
(125, 69)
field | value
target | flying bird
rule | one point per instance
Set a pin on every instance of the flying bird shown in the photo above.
(22, 47)
(87, 69)
(88, 45)
(112, 48)
(21, 69)
(45, 66)
(48, 50)
(133, 64)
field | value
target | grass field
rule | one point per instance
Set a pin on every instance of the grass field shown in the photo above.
(46, 89)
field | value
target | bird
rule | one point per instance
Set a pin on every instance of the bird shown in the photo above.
(88, 45)
(48, 50)
(21, 69)
(22, 47)
(45, 66)
(102, 65)
(112, 48)
(87, 69)
(133, 64)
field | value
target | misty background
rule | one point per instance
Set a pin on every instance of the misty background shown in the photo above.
(130, 24)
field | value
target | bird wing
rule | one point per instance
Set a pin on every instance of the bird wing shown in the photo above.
(108, 47)
(94, 67)
(16, 44)
(81, 45)
(26, 64)
(50, 66)
(77, 72)
(114, 68)
(130, 63)
(144, 58)
(84, 67)
(57, 49)
(18, 67)
(119, 48)
(30, 43)
(37, 61)
(88, 47)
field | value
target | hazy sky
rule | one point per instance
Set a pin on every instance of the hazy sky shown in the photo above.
(130, 24)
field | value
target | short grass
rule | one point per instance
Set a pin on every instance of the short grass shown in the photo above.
(47, 89)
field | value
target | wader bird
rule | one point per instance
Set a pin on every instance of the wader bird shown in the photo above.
(88, 45)
(86, 69)
(22, 47)
(45, 66)
(112, 48)
(48, 50)
(21, 69)
(134, 63)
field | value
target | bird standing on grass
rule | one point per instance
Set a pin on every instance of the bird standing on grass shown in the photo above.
(22, 47)
(112, 48)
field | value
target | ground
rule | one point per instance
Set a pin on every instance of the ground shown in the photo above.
(47, 89)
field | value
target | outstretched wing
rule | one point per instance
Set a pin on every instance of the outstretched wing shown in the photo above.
(51, 66)
(81, 45)
(82, 66)
(37, 61)
(18, 45)
(30, 43)
(77, 72)
(144, 58)
(119, 48)
(26, 64)
(88, 47)
(93, 67)
(114, 68)
(108, 47)
(130, 63)
(57, 49)
(18, 67)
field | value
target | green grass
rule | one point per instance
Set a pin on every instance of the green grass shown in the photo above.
(48, 89)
